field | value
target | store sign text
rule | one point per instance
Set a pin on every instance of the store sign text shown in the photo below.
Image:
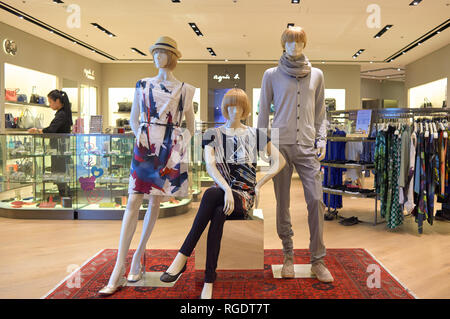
(220, 78)
(90, 74)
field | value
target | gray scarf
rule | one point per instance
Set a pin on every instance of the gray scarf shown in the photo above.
(295, 68)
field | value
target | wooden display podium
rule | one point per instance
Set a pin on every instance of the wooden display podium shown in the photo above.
(242, 245)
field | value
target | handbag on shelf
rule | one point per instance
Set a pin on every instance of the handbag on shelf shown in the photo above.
(11, 95)
(124, 106)
(26, 120)
(22, 98)
(34, 98)
(9, 121)
(426, 103)
(41, 100)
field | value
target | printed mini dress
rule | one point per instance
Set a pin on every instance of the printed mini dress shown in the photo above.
(160, 157)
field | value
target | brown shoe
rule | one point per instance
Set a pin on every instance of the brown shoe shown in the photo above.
(288, 267)
(322, 273)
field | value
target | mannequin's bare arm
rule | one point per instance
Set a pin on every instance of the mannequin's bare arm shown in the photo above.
(212, 170)
(278, 162)
(190, 120)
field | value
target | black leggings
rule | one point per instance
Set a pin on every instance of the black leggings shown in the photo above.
(211, 209)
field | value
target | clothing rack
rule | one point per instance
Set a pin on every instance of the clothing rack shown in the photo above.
(378, 115)
(412, 116)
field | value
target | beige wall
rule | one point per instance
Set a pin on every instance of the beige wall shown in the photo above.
(432, 67)
(383, 90)
(344, 77)
(37, 54)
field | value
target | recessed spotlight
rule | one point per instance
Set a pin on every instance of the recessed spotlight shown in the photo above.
(290, 25)
(358, 53)
(138, 51)
(58, 1)
(371, 62)
(98, 26)
(398, 69)
(196, 29)
(295, 1)
(176, 1)
(382, 31)
(415, 2)
(211, 51)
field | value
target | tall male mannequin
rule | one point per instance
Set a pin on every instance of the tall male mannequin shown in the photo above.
(297, 92)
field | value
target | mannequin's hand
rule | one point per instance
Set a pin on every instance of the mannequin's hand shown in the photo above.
(257, 191)
(228, 206)
(321, 151)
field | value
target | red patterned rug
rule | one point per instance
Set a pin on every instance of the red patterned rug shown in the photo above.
(350, 268)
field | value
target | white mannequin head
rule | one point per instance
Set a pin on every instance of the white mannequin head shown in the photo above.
(294, 49)
(164, 59)
(235, 112)
(293, 41)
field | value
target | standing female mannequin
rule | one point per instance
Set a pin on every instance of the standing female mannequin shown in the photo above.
(230, 156)
(159, 165)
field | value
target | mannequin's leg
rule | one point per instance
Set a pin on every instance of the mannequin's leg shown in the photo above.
(213, 244)
(212, 198)
(149, 222)
(282, 187)
(309, 171)
(129, 223)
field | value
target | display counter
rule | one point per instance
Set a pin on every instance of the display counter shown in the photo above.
(75, 176)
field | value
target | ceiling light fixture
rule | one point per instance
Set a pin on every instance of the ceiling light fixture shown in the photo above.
(176, 1)
(415, 2)
(138, 51)
(290, 25)
(58, 1)
(382, 31)
(295, 1)
(211, 51)
(358, 53)
(196, 29)
(98, 26)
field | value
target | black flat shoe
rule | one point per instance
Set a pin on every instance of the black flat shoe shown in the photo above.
(166, 277)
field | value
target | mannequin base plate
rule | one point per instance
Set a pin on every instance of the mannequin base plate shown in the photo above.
(301, 271)
(151, 279)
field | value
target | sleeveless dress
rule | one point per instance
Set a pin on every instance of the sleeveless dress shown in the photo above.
(160, 158)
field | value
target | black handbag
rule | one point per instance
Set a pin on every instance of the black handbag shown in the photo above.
(34, 98)
(9, 121)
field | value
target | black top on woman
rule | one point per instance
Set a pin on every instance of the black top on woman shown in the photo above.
(62, 122)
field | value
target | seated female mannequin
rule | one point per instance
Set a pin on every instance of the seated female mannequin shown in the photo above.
(230, 154)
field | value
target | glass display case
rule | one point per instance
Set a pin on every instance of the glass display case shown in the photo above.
(67, 176)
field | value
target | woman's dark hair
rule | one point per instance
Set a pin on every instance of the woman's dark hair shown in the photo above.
(64, 99)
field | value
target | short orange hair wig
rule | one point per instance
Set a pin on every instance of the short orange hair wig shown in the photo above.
(236, 97)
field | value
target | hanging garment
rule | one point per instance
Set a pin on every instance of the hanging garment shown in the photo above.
(381, 170)
(335, 152)
(409, 202)
(394, 215)
(430, 163)
(159, 165)
(422, 206)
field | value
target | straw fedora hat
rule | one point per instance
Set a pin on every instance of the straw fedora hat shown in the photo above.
(166, 43)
